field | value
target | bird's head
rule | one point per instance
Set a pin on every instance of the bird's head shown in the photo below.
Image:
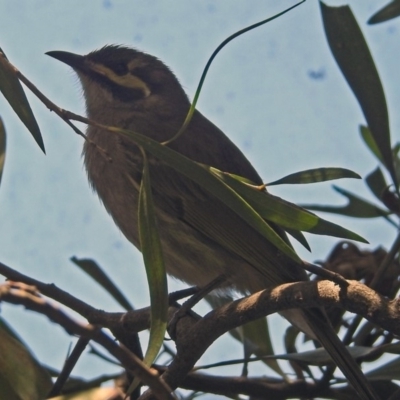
(116, 78)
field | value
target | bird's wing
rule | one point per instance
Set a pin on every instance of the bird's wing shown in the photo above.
(266, 265)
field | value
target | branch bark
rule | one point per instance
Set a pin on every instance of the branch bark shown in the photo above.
(193, 338)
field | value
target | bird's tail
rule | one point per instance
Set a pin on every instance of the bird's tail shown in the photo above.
(340, 355)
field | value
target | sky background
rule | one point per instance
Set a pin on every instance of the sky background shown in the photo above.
(275, 91)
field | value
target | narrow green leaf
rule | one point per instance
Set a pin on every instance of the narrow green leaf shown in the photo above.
(202, 175)
(257, 341)
(284, 213)
(15, 95)
(390, 11)
(2, 147)
(356, 207)
(21, 377)
(150, 245)
(290, 337)
(299, 237)
(376, 182)
(255, 335)
(353, 57)
(327, 228)
(315, 175)
(96, 272)
(210, 60)
(370, 142)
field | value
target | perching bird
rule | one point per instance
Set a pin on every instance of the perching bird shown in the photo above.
(201, 237)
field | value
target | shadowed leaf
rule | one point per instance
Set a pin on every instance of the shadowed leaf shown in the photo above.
(390, 11)
(298, 235)
(285, 214)
(376, 182)
(21, 377)
(356, 207)
(354, 59)
(396, 151)
(3, 140)
(15, 95)
(254, 335)
(96, 272)
(257, 340)
(370, 142)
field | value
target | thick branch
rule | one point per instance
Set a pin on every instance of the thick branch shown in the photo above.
(255, 387)
(196, 337)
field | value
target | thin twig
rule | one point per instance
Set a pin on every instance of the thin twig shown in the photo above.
(65, 115)
(19, 294)
(325, 274)
(52, 291)
(69, 366)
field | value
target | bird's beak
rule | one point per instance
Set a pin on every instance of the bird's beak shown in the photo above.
(75, 61)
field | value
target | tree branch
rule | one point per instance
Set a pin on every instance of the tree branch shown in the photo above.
(17, 293)
(193, 338)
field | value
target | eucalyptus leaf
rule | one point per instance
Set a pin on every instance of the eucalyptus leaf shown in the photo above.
(257, 340)
(356, 207)
(285, 214)
(15, 95)
(315, 175)
(254, 335)
(390, 11)
(150, 245)
(290, 337)
(2, 147)
(370, 142)
(376, 182)
(21, 377)
(95, 271)
(202, 175)
(211, 59)
(298, 235)
(354, 59)
(396, 150)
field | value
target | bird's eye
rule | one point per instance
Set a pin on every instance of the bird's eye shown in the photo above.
(120, 68)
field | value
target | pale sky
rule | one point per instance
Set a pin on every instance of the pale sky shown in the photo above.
(275, 91)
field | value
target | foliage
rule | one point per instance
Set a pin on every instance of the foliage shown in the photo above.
(313, 370)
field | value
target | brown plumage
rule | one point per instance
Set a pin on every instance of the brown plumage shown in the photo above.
(201, 237)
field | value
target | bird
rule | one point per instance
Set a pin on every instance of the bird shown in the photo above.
(201, 237)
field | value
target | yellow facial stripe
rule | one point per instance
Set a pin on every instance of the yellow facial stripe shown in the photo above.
(128, 80)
